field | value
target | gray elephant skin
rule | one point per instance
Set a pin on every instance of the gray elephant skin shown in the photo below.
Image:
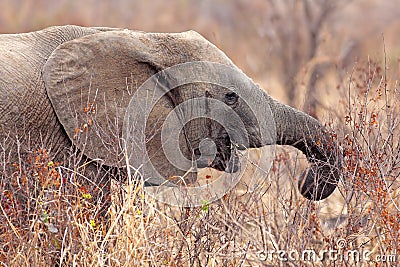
(69, 86)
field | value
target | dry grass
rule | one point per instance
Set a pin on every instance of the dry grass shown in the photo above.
(51, 215)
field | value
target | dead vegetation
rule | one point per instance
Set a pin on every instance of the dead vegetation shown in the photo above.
(52, 215)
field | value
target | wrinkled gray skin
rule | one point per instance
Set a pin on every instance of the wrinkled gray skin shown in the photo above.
(69, 86)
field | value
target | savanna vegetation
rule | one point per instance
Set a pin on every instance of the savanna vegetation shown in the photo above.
(331, 60)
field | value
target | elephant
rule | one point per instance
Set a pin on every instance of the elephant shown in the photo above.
(70, 86)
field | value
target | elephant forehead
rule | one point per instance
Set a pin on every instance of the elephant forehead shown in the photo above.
(183, 47)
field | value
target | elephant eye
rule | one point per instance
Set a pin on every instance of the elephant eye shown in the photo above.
(231, 98)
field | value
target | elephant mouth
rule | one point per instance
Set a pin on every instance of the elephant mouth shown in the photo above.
(215, 150)
(227, 162)
(231, 165)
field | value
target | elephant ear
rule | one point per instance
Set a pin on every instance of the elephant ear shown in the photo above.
(90, 82)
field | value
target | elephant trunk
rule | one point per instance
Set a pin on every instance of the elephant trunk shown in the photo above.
(305, 133)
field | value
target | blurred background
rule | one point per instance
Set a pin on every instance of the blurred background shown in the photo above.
(311, 54)
(297, 50)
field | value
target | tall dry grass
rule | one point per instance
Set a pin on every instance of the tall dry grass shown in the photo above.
(53, 214)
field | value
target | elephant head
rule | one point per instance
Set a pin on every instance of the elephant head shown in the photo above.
(91, 80)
